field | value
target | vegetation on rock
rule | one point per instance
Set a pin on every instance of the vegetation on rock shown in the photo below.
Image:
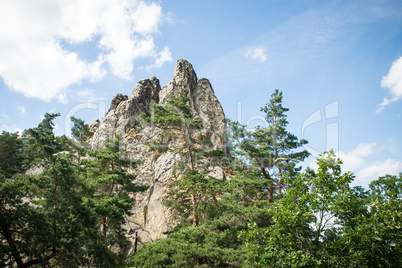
(53, 217)
(65, 205)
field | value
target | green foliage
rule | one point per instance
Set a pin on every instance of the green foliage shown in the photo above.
(207, 245)
(11, 159)
(381, 236)
(67, 224)
(40, 143)
(218, 209)
(176, 116)
(110, 188)
(203, 140)
(193, 193)
(224, 207)
(272, 149)
(81, 134)
(53, 218)
(43, 217)
(71, 214)
(80, 131)
(14, 214)
(322, 222)
(244, 199)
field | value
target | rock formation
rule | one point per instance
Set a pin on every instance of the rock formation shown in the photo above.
(150, 218)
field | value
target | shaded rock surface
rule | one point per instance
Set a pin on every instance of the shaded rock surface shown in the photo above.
(93, 127)
(150, 218)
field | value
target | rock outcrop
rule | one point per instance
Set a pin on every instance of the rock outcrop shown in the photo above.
(150, 218)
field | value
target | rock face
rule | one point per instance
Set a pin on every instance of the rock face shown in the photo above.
(93, 127)
(150, 218)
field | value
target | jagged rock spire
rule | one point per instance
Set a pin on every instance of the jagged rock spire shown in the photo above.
(150, 217)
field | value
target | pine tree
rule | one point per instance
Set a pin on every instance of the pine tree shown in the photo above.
(111, 189)
(225, 207)
(193, 186)
(177, 117)
(81, 134)
(219, 209)
(44, 218)
(11, 159)
(272, 149)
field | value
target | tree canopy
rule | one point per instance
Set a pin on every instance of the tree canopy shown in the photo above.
(64, 205)
(323, 222)
(60, 214)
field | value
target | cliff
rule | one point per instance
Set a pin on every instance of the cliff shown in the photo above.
(150, 218)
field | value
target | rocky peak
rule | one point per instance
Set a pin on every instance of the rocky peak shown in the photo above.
(146, 90)
(150, 218)
(116, 101)
(184, 76)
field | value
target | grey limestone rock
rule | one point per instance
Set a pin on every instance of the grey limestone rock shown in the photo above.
(116, 100)
(93, 127)
(150, 218)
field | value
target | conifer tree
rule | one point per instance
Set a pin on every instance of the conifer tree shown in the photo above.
(41, 144)
(225, 208)
(11, 159)
(193, 185)
(177, 116)
(272, 149)
(80, 133)
(44, 218)
(111, 188)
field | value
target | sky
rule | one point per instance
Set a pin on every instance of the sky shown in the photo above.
(338, 63)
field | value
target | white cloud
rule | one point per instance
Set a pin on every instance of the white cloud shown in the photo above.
(11, 129)
(37, 64)
(357, 157)
(373, 171)
(169, 18)
(360, 162)
(365, 149)
(393, 82)
(163, 56)
(85, 95)
(21, 109)
(257, 53)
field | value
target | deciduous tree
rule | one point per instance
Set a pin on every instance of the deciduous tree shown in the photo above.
(322, 222)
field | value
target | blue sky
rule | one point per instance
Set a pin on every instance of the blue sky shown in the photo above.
(338, 63)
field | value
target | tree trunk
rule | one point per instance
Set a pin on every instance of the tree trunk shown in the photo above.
(270, 191)
(136, 242)
(104, 220)
(195, 216)
(193, 199)
(280, 186)
(104, 227)
(14, 251)
(190, 151)
(270, 195)
(54, 223)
